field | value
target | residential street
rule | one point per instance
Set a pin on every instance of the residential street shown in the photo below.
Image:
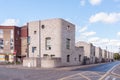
(92, 73)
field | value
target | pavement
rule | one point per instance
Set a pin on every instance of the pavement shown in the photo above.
(68, 68)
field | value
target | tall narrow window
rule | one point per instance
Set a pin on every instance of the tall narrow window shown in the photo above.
(1, 40)
(1, 44)
(68, 43)
(48, 43)
(33, 49)
(68, 58)
(11, 34)
(43, 26)
(11, 44)
(79, 58)
(68, 27)
(1, 33)
(28, 39)
(18, 32)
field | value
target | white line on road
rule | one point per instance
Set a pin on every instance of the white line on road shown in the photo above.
(67, 77)
(109, 72)
(85, 76)
(114, 79)
(107, 78)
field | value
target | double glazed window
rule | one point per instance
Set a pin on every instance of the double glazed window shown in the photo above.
(48, 43)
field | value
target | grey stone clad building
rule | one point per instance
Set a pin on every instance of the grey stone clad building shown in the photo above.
(52, 42)
(89, 52)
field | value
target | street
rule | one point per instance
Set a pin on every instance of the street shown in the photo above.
(92, 73)
(100, 68)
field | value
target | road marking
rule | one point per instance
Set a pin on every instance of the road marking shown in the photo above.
(96, 73)
(64, 78)
(114, 79)
(115, 74)
(107, 77)
(84, 76)
(108, 72)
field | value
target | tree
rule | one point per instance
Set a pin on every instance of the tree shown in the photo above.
(116, 56)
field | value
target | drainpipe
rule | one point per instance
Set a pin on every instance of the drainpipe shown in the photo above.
(39, 42)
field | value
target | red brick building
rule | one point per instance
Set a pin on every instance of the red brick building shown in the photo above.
(10, 43)
(24, 45)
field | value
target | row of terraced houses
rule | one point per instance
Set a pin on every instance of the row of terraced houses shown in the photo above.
(48, 43)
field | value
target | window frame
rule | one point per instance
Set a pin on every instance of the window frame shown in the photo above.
(68, 58)
(34, 49)
(48, 43)
(68, 41)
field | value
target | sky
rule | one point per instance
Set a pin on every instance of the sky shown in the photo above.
(97, 21)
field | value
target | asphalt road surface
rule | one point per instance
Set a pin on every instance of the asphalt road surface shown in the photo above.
(100, 68)
(93, 73)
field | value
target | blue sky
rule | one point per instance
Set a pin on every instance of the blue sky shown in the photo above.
(97, 21)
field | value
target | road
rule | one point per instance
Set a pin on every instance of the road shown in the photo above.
(93, 73)
(100, 68)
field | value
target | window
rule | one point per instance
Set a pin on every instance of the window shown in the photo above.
(45, 55)
(35, 32)
(1, 33)
(1, 47)
(52, 55)
(43, 26)
(18, 32)
(68, 27)
(79, 58)
(11, 47)
(48, 43)
(1, 44)
(68, 58)
(11, 34)
(68, 43)
(11, 44)
(1, 41)
(28, 39)
(33, 49)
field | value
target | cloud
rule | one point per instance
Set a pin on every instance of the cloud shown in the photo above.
(83, 29)
(104, 41)
(94, 39)
(105, 18)
(87, 34)
(95, 2)
(111, 44)
(118, 33)
(10, 22)
(114, 42)
(82, 2)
